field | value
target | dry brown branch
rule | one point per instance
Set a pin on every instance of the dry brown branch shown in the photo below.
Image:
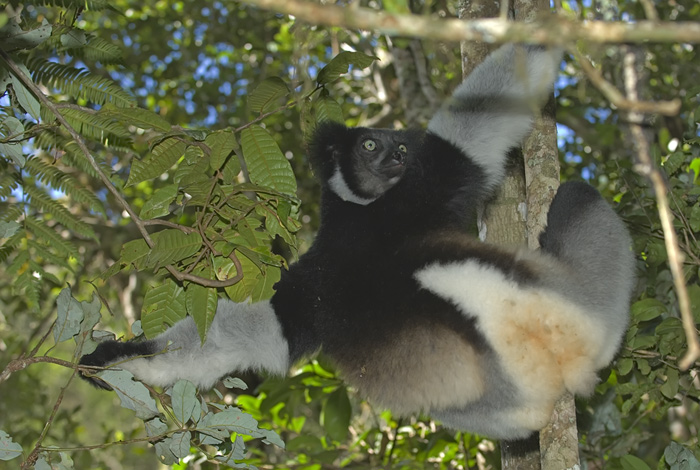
(547, 30)
(667, 108)
(646, 167)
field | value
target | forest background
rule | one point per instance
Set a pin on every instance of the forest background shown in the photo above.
(152, 158)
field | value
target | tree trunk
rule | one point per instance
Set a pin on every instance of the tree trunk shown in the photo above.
(518, 216)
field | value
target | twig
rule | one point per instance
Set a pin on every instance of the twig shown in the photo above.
(33, 455)
(547, 30)
(667, 108)
(646, 167)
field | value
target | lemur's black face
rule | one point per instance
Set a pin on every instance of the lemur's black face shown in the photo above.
(378, 160)
(368, 163)
(360, 164)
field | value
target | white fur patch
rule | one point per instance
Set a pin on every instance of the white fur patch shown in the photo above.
(545, 343)
(340, 187)
(242, 336)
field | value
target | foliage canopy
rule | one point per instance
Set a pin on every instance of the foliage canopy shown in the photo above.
(152, 158)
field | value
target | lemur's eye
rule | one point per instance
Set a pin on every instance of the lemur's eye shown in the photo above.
(369, 144)
(403, 148)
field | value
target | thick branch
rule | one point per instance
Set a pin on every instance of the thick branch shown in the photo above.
(548, 30)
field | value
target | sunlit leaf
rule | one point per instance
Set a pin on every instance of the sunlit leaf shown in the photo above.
(173, 245)
(267, 166)
(265, 96)
(161, 159)
(163, 306)
(159, 203)
(221, 144)
(201, 305)
(340, 65)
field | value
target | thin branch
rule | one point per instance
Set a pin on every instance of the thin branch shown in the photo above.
(547, 30)
(646, 167)
(34, 454)
(667, 108)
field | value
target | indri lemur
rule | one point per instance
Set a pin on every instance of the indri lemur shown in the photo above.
(417, 314)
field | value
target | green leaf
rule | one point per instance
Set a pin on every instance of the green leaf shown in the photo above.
(26, 99)
(221, 144)
(14, 38)
(179, 444)
(70, 314)
(163, 306)
(173, 245)
(201, 305)
(98, 49)
(184, 400)
(235, 382)
(336, 413)
(327, 109)
(155, 427)
(670, 387)
(161, 159)
(7, 229)
(8, 449)
(159, 203)
(674, 162)
(679, 457)
(647, 309)
(165, 454)
(48, 205)
(265, 96)
(630, 462)
(133, 395)
(225, 269)
(138, 117)
(340, 65)
(43, 232)
(624, 365)
(74, 38)
(135, 252)
(694, 218)
(264, 288)
(694, 296)
(79, 83)
(12, 127)
(267, 166)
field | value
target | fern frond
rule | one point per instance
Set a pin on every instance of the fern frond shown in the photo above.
(79, 83)
(12, 212)
(10, 245)
(99, 50)
(50, 140)
(48, 235)
(94, 126)
(94, 5)
(43, 254)
(8, 183)
(29, 284)
(43, 202)
(52, 176)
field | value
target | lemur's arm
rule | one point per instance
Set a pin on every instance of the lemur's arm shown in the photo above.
(242, 336)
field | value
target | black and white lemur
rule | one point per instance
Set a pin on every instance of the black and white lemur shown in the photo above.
(418, 315)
